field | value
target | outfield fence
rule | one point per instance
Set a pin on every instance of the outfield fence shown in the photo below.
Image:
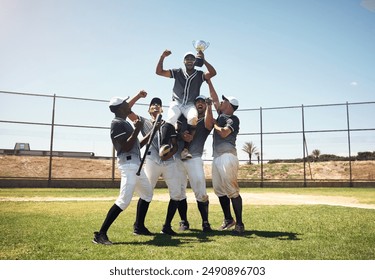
(346, 128)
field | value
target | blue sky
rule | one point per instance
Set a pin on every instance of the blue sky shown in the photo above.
(267, 54)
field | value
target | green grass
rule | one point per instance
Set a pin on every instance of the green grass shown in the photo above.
(63, 230)
(363, 195)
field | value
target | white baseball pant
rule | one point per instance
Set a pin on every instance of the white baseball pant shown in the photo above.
(181, 174)
(224, 175)
(130, 182)
(189, 111)
(169, 171)
(195, 171)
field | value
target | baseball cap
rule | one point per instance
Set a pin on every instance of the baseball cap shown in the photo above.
(115, 101)
(189, 53)
(200, 97)
(232, 100)
(156, 100)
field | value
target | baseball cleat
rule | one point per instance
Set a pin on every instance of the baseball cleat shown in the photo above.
(227, 224)
(168, 230)
(184, 225)
(206, 227)
(185, 154)
(239, 230)
(164, 150)
(101, 238)
(141, 231)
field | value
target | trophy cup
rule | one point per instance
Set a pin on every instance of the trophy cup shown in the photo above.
(200, 45)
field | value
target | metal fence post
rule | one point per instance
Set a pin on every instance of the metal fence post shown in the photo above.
(51, 142)
(303, 146)
(350, 153)
(261, 147)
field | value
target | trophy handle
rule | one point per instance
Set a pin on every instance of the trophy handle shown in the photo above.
(203, 47)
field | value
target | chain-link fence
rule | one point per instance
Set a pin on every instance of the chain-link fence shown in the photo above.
(289, 143)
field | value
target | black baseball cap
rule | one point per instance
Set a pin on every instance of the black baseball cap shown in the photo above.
(156, 100)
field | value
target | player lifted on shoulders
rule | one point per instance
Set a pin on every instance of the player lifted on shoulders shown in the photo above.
(186, 88)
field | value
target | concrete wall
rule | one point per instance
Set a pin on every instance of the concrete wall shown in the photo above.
(25, 183)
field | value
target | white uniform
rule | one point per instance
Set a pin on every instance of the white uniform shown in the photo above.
(155, 167)
(194, 167)
(186, 88)
(225, 163)
(128, 163)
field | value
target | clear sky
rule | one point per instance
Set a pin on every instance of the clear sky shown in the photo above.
(267, 54)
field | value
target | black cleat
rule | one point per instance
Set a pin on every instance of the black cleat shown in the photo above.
(164, 150)
(184, 225)
(227, 224)
(142, 231)
(206, 227)
(101, 238)
(168, 230)
(185, 154)
(239, 230)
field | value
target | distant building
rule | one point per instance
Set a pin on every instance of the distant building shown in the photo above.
(22, 147)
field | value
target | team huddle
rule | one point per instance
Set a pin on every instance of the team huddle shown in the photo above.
(175, 151)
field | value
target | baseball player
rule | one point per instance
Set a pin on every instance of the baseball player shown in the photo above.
(186, 88)
(156, 166)
(125, 141)
(225, 162)
(193, 168)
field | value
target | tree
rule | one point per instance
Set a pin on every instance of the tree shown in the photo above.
(316, 154)
(250, 149)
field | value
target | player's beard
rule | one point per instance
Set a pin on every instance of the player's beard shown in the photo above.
(155, 113)
(189, 67)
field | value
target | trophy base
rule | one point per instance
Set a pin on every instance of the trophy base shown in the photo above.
(199, 62)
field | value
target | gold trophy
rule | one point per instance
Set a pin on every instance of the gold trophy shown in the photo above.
(200, 45)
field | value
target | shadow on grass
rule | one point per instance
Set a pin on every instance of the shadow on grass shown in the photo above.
(197, 236)
(164, 240)
(276, 234)
(247, 234)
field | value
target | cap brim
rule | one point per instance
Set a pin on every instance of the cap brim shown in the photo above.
(156, 100)
(125, 100)
(200, 97)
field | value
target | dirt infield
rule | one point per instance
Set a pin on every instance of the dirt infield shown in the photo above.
(248, 199)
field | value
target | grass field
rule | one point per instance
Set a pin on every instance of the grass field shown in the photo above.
(63, 230)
